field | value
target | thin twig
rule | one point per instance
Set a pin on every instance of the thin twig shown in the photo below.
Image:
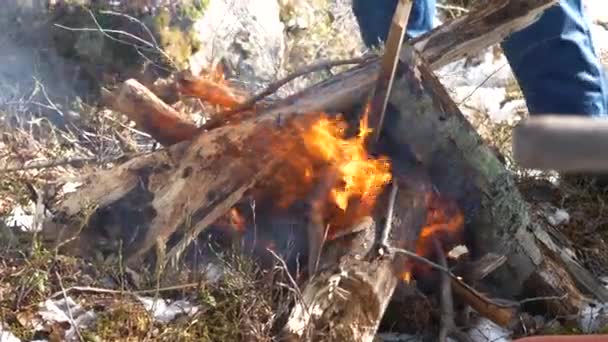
(100, 290)
(107, 33)
(296, 288)
(480, 85)
(421, 259)
(67, 307)
(388, 225)
(539, 299)
(274, 86)
(68, 161)
(445, 296)
(135, 20)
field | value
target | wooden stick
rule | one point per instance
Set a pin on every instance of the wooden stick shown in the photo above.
(150, 113)
(445, 296)
(388, 67)
(564, 143)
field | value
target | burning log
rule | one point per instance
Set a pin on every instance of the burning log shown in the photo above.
(428, 123)
(346, 299)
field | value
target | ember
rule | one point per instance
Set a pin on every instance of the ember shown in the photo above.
(444, 222)
(237, 220)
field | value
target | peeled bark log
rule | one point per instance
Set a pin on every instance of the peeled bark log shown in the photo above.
(150, 113)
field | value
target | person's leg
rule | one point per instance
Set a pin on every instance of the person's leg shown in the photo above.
(556, 65)
(375, 16)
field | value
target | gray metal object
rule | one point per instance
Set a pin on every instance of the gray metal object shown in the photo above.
(563, 143)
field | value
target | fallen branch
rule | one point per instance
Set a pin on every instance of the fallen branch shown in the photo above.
(448, 326)
(99, 290)
(72, 161)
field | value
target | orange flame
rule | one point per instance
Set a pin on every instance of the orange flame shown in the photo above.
(406, 276)
(445, 222)
(324, 147)
(360, 175)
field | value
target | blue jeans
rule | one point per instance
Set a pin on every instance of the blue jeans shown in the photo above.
(553, 59)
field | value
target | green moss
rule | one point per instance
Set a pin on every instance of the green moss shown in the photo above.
(175, 35)
(194, 10)
(123, 321)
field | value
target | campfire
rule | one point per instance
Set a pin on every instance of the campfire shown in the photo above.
(261, 170)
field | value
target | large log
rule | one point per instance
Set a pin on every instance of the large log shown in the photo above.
(426, 121)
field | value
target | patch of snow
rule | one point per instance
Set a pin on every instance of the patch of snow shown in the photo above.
(485, 99)
(164, 311)
(559, 217)
(6, 335)
(458, 251)
(593, 318)
(18, 218)
(508, 112)
(491, 71)
(69, 187)
(213, 273)
(65, 310)
(486, 330)
(597, 10)
(247, 33)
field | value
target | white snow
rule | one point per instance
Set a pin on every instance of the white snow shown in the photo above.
(597, 10)
(7, 336)
(593, 318)
(486, 330)
(165, 311)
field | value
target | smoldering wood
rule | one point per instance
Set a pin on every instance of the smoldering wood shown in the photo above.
(563, 143)
(426, 121)
(347, 297)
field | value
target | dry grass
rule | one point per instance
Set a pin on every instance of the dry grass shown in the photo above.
(245, 304)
